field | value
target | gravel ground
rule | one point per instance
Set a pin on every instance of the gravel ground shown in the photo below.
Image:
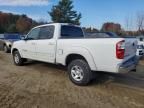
(41, 85)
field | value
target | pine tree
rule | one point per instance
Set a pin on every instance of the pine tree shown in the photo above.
(64, 13)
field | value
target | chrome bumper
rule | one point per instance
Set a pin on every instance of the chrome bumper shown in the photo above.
(128, 65)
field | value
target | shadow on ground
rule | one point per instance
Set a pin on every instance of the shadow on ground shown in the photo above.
(134, 80)
(131, 80)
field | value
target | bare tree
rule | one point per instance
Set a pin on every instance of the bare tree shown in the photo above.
(140, 21)
(129, 23)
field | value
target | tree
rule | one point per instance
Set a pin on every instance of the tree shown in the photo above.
(12, 28)
(129, 23)
(90, 30)
(2, 29)
(23, 24)
(140, 22)
(15, 23)
(63, 13)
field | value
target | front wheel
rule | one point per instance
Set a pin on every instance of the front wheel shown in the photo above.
(17, 59)
(79, 72)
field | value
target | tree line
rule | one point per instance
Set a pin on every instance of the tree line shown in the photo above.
(11, 23)
(64, 12)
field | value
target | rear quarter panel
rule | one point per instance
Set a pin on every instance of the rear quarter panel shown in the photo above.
(100, 53)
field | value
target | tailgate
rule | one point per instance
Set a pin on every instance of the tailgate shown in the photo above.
(130, 48)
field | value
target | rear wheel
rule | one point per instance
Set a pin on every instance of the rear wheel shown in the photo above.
(79, 72)
(18, 60)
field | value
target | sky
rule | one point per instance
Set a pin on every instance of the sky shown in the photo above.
(94, 12)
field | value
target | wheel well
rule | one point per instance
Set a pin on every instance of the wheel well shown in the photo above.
(4, 44)
(14, 50)
(72, 57)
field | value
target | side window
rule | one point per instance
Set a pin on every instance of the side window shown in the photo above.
(71, 32)
(34, 34)
(46, 32)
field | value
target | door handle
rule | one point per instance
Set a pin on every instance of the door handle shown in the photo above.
(51, 43)
(24, 50)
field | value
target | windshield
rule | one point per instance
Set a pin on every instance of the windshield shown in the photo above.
(12, 36)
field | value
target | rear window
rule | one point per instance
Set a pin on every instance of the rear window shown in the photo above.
(71, 32)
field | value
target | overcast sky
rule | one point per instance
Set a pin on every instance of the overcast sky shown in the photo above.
(94, 12)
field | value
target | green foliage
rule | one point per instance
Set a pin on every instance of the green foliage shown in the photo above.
(2, 29)
(12, 29)
(64, 13)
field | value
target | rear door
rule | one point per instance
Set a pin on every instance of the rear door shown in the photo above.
(46, 44)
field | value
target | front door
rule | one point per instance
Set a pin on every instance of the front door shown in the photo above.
(29, 45)
(46, 44)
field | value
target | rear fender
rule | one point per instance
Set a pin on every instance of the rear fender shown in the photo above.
(83, 52)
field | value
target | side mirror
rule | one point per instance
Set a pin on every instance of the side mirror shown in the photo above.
(23, 37)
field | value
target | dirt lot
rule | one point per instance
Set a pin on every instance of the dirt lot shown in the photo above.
(41, 85)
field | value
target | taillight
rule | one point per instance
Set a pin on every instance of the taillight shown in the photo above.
(120, 49)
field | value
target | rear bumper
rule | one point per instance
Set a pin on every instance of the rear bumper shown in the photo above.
(128, 65)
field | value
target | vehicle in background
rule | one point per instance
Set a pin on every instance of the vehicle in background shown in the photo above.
(140, 40)
(140, 50)
(66, 44)
(140, 47)
(7, 41)
(1, 36)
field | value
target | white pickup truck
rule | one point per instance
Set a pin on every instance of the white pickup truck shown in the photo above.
(66, 44)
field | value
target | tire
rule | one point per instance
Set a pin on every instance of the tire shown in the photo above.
(18, 61)
(5, 49)
(79, 72)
